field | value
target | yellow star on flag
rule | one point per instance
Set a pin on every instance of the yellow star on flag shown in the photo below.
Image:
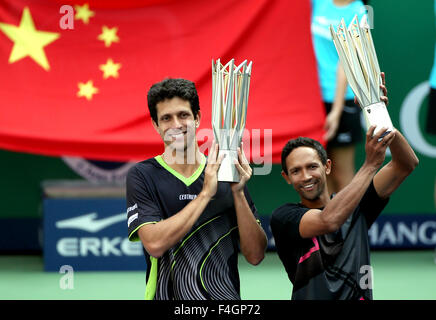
(110, 69)
(83, 13)
(28, 41)
(108, 35)
(87, 90)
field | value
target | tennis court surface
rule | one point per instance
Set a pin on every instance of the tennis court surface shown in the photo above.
(397, 275)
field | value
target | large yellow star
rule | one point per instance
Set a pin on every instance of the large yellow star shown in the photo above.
(110, 69)
(108, 35)
(87, 90)
(83, 13)
(28, 41)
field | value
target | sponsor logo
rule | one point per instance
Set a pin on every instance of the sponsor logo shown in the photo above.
(99, 247)
(187, 196)
(135, 206)
(403, 234)
(131, 219)
(409, 119)
(102, 246)
(89, 222)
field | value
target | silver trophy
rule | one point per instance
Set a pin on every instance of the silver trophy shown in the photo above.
(230, 88)
(358, 58)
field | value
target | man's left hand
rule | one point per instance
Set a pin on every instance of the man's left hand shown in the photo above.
(244, 169)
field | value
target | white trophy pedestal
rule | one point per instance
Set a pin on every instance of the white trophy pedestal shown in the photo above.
(228, 171)
(377, 114)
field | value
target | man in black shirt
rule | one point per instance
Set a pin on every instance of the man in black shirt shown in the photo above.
(323, 241)
(190, 225)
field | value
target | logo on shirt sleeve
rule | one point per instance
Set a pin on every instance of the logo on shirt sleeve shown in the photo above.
(131, 219)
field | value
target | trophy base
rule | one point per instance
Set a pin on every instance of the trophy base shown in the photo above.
(377, 115)
(227, 171)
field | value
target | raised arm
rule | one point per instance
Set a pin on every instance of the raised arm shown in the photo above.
(253, 240)
(403, 162)
(317, 222)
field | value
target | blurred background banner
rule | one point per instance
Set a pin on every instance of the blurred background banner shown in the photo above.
(75, 74)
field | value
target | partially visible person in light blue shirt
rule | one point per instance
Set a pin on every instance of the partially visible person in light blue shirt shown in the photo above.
(342, 125)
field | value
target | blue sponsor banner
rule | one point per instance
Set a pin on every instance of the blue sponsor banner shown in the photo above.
(403, 232)
(89, 234)
(411, 231)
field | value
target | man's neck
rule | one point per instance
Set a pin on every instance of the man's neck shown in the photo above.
(320, 202)
(182, 162)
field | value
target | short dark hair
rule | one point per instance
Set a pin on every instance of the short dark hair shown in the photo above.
(302, 142)
(170, 88)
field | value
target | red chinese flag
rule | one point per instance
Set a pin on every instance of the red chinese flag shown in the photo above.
(82, 91)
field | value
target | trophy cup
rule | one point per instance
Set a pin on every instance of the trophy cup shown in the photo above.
(230, 88)
(358, 58)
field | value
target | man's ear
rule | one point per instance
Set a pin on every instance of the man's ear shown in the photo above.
(328, 167)
(197, 120)
(155, 126)
(286, 177)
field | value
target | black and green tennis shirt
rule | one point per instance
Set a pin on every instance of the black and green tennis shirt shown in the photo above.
(204, 264)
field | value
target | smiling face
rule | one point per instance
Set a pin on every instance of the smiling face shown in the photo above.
(176, 123)
(308, 176)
